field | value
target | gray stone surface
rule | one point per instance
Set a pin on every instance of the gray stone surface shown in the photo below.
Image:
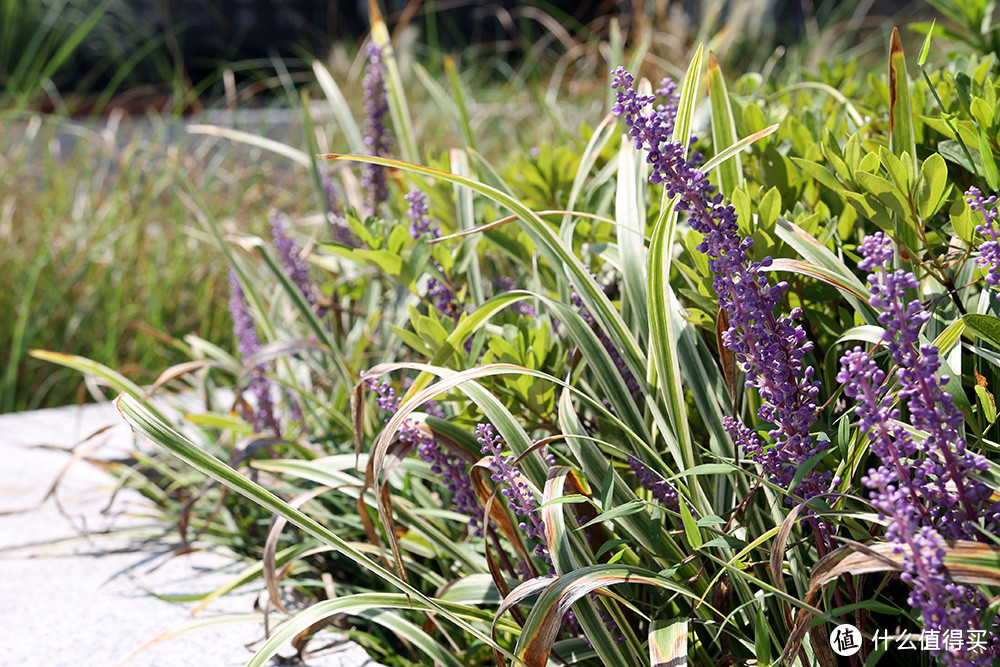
(76, 573)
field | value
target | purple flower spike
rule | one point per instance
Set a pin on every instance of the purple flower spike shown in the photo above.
(923, 486)
(420, 220)
(451, 467)
(261, 416)
(291, 258)
(770, 349)
(439, 292)
(662, 490)
(520, 498)
(943, 474)
(989, 251)
(377, 138)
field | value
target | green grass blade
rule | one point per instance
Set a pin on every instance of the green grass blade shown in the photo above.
(341, 109)
(444, 104)
(591, 153)
(813, 251)
(399, 110)
(20, 333)
(664, 371)
(663, 338)
(468, 258)
(688, 98)
(290, 152)
(108, 376)
(630, 212)
(460, 102)
(730, 172)
(72, 42)
(737, 147)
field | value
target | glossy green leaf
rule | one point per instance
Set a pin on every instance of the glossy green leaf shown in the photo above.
(932, 183)
(769, 207)
(888, 193)
(986, 327)
(990, 171)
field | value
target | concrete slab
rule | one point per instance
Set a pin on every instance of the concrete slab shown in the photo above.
(75, 574)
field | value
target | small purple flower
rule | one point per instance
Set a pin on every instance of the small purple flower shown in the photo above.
(989, 251)
(420, 220)
(444, 300)
(377, 138)
(262, 415)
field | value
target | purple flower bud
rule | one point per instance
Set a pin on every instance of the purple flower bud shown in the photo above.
(662, 490)
(522, 500)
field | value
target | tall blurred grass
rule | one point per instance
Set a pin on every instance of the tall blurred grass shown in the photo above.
(100, 254)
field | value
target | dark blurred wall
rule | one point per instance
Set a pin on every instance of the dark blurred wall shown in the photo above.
(206, 34)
